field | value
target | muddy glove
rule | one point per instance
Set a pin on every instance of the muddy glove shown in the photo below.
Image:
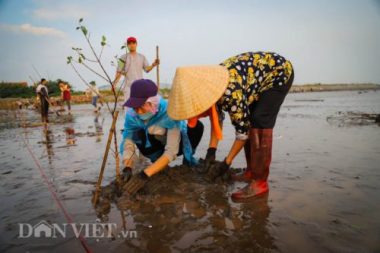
(127, 174)
(210, 157)
(218, 170)
(136, 183)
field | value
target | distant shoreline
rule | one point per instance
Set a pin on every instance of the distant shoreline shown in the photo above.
(334, 87)
(13, 103)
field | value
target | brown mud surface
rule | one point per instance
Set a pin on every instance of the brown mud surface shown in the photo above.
(324, 185)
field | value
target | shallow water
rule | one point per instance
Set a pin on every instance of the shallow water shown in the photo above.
(324, 185)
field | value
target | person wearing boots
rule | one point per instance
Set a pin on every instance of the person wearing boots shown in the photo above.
(251, 87)
(159, 138)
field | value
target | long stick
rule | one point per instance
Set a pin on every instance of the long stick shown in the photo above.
(38, 73)
(110, 135)
(158, 68)
(47, 100)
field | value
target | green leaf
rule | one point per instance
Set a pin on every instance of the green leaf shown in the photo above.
(69, 58)
(80, 60)
(103, 42)
(84, 30)
(80, 20)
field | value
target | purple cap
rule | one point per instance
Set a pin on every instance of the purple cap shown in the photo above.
(141, 90)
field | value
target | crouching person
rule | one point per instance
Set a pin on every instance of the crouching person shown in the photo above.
(159, 138)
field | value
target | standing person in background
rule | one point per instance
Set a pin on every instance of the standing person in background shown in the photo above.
(43, 95)
(95, 95)
(65, 94)
(131, 66)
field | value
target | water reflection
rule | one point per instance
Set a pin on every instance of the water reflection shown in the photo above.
(48, 140)
(98, 121)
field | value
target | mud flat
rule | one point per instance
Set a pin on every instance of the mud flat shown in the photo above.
(334, 87)
(14, 103)
(324, 185)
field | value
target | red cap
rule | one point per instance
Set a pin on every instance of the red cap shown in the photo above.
(131, 39)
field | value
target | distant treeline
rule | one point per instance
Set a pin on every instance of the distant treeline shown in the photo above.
(22, 90)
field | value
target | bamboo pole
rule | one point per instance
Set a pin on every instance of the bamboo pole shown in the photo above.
(118, 176)
(100, 178)
(158, 68)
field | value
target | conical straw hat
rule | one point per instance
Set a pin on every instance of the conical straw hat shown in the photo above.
(195, 89)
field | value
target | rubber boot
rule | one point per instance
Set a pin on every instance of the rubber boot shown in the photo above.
(261, 150)
(247, 175)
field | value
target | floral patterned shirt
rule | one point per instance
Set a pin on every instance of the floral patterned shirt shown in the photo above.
(251, 73)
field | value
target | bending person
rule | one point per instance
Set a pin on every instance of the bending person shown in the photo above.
(251, 88)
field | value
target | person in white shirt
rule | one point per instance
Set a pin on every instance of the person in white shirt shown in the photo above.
(95, 95)
(131, 65)
(43, 95)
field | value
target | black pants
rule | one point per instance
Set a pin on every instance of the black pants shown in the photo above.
(44, 109)
(157, 148)
(264, 111)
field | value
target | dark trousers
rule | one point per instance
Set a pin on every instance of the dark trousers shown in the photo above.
(157, 148)
(68, 104)
(44, 109)
(264, 111)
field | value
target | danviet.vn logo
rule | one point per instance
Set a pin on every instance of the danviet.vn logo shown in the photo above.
(43, 229)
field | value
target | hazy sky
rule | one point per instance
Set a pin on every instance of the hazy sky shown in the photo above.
(328, 41)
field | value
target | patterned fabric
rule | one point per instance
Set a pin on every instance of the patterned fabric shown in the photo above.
(251, 74)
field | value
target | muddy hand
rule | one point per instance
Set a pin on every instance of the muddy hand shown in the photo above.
(136, 183)
(217, 170)
(127, 174)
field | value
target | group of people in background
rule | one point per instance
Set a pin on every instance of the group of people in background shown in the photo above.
(65, 97)
(42, 92)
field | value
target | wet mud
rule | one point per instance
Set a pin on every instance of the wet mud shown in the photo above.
(324, 185)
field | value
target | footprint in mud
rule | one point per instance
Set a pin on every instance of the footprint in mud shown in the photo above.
(79, 181)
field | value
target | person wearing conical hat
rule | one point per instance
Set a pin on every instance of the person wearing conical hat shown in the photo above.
(251, 87)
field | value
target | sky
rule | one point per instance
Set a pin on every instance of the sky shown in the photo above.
(328, 41)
